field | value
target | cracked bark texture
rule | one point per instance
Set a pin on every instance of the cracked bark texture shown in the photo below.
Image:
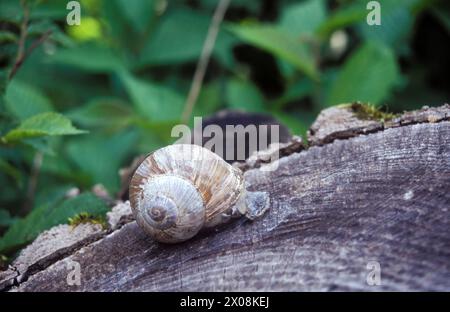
(364, 191)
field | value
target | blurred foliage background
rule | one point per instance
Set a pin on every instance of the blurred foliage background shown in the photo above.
(79, 102)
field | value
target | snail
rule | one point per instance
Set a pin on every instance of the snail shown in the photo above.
(181, 189)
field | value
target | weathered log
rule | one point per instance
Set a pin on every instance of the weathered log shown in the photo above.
(355, 197)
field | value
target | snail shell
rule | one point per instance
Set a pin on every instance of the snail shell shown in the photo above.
(180, 189)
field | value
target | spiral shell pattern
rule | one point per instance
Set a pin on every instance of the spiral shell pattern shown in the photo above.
(180, 189)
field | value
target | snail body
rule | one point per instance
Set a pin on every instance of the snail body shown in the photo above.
(181, 189)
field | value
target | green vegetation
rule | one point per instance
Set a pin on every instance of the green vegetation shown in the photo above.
(370, 112)
(85, 217)
(77, 103)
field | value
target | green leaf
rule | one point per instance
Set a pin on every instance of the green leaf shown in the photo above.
(128, 23)
(242, 94)
(395, 28)
(303, 18)
(45, 124)
(59, 167)
(209, 100)
(50, 214)
(153, 101)
(92, 57)
(7, 36)
(6, 219)
(368, 76)
(296, 91)
(223, 48)
(281, 44)
(99, 157)
(102, 112)
(11, 11)
(179, 37)
(296, 125)
(41, 144)
(4, 73)
(50, 10)
(154, 135)
(23, 100)
(138, 13)
(11, 171)
(356, 12)
(40, 27)
(253, 7)
(341, 18)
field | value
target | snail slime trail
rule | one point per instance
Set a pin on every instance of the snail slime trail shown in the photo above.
(196, 302)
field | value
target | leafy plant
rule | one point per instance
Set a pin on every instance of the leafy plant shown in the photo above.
(56, 211)
(77, 103)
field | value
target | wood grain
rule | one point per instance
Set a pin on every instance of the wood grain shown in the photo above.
(336, 206)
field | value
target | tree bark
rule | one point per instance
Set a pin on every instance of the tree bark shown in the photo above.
(366, 195)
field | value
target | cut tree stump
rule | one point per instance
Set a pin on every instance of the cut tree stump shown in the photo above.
(365, 194)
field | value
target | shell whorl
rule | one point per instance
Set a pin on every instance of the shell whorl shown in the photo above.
(160, 211)
(180, 189)
(170, 208)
